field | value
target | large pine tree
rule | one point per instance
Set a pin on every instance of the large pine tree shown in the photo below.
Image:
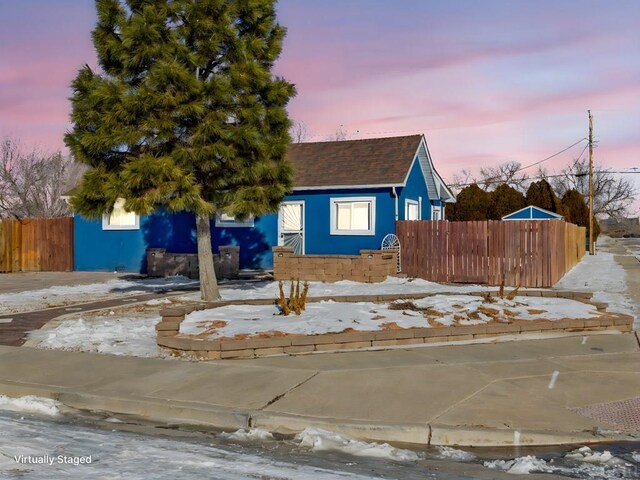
(184, 113)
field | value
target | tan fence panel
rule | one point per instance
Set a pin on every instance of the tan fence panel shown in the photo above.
(529, 253)
(10, 234)
(36, 245)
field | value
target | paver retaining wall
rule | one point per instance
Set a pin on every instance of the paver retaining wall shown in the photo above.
(370, 266)
(168, 330)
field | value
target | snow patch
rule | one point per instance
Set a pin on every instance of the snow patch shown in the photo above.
(31, 404)
(521, 465)
(115, 336)
(455, 454)
(66, 295)
(586, 455)
(250, 435)
(319, 440)
(158, 301)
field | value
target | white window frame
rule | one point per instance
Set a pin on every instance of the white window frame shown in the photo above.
(231, 222)
(408, 202)
(436, 209)
(333, 217)
(106, 225)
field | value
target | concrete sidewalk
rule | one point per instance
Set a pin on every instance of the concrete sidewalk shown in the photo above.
(489, 394)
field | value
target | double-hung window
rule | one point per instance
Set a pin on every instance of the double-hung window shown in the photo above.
(120, 219)
(353, 216)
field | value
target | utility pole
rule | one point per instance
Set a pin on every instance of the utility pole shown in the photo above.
(591, 246)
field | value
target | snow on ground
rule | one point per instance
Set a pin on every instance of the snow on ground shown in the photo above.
(247, 435)
(67, 295)
(329, 316)
(319, 440)
(31, 404)
(521, 465)
(134, 336)
(455, 454)
(581, 463)
(254, 290)
(122, 455)
(602, 275)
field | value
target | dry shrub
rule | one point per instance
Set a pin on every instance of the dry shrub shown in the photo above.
(379, 317)
(297, 300)
(487, 298)
(433, 312)
(511, 295)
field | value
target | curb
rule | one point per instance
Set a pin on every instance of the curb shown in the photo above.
(222, 418)
(495, 437)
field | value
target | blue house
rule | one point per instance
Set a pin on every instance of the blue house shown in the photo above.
(532, 213)
(346, 197)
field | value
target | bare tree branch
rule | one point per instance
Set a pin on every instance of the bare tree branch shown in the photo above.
(299, 132)
(612, 195)
(32, 183)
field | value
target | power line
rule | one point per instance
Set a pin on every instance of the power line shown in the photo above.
(552, 156)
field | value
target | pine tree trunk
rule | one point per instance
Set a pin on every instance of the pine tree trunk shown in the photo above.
(208, 283)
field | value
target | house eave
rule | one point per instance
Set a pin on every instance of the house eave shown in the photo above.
(348, 187)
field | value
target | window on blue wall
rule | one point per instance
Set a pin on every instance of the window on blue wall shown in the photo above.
(224, 220)
(120, 219)
(411, 210)
(353, 216)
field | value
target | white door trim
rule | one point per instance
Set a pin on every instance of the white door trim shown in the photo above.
(302, 221)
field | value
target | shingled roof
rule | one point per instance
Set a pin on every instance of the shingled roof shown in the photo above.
(374, 161)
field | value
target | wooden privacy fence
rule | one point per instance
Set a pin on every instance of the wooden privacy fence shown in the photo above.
(36, 245)
(527, 253)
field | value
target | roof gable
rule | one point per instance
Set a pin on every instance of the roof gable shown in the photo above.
(531, 212)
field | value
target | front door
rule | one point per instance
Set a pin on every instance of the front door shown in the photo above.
(291, 226)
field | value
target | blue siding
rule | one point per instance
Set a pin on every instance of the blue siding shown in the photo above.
(125, 250)
(255, 243)
(318, 238)
(415, 189)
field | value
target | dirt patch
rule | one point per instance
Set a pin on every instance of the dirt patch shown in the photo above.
(535, 311)
(391, 326)
(491, 312)
(405, 306)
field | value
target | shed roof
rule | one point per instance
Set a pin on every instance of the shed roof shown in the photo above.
(532, 212)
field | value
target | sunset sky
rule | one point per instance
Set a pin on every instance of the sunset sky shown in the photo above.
(486, 81)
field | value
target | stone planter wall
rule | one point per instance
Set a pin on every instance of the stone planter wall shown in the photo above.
(370, 266)
(169, 338)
